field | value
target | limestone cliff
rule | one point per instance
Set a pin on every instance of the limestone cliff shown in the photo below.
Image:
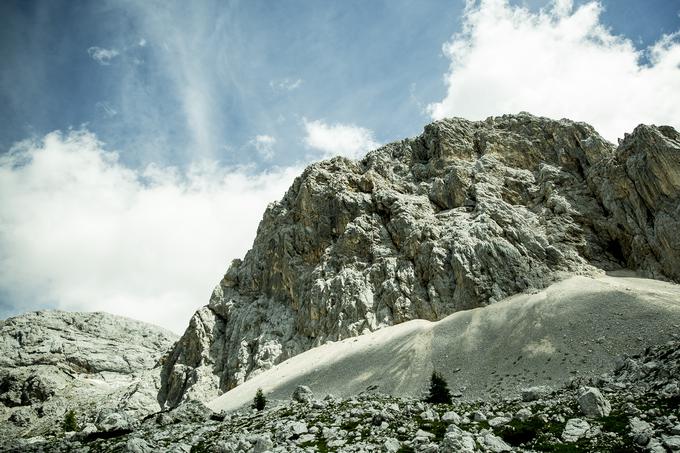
(462, 216)
(53, 361)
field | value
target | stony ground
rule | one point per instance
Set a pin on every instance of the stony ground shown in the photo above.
(633, 409)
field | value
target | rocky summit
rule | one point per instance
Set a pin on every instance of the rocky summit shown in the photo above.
(95, 364)
(460, 217)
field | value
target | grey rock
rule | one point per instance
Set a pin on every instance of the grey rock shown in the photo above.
(263, 443)
(535, 393)
(424, 434)
(655, 446)
(429, 415)
(640, 431)
(456, 440)
(137, 445)
(114, 421)
(298, 428)
(592, 403)
(305, 438)
(337, 443)
(523, 414)
(499, 421)
(478, 416)
(575, 429)
(495, 443)
(302, 394)
(391, 445)
(671, 442)
(451, 417)
(54, 361)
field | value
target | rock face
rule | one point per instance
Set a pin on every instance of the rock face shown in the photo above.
(462, 216)
(52, 362)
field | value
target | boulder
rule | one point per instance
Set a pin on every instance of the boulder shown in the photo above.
(575, 429)
(535, 393)
(592, 403)
(303, 394)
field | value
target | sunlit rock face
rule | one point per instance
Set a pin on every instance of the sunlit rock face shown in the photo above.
(462, 216)
(53, 361)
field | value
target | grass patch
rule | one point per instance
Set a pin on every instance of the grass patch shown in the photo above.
(533, 432)
(518, 432)
(616, 422)
(406, 449)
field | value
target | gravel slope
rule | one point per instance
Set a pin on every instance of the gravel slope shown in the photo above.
(575, 327)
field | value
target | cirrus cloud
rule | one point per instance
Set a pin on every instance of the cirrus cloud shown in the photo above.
(559, 62)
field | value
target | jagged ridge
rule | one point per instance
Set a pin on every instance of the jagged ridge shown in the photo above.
(464, 215)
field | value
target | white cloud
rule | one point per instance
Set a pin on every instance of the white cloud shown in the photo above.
(102, 56)
(285, 84)
(141, 42)
(559, 62)
(264, 144)
(339, 139)
(81, 231)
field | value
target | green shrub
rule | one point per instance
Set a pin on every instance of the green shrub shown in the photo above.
(439, 391)
(259, 402)
(70, 422)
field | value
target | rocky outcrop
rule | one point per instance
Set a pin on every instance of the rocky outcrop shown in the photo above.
(462, 216)
(52, 362)
(639, 186)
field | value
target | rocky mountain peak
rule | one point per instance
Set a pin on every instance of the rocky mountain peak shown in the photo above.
(462, 216)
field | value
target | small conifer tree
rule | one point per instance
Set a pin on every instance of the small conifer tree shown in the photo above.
(70, 422)
(259, 402)
(439, 391)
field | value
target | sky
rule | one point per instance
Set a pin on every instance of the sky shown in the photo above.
(141, 141)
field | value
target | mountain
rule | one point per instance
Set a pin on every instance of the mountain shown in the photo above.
(461, 217)
(95, 364)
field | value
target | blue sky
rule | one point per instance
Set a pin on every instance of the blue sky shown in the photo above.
(216, 105)
(370, 63)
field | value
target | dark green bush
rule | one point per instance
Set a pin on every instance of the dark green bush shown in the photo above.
(259, 402)
(70, 422)
(439, 391)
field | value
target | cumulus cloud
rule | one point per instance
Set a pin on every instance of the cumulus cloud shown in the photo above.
(102, 56)
(285, 84)
(81, 231)
(558, 62)
(340, 139)
(264, 144)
